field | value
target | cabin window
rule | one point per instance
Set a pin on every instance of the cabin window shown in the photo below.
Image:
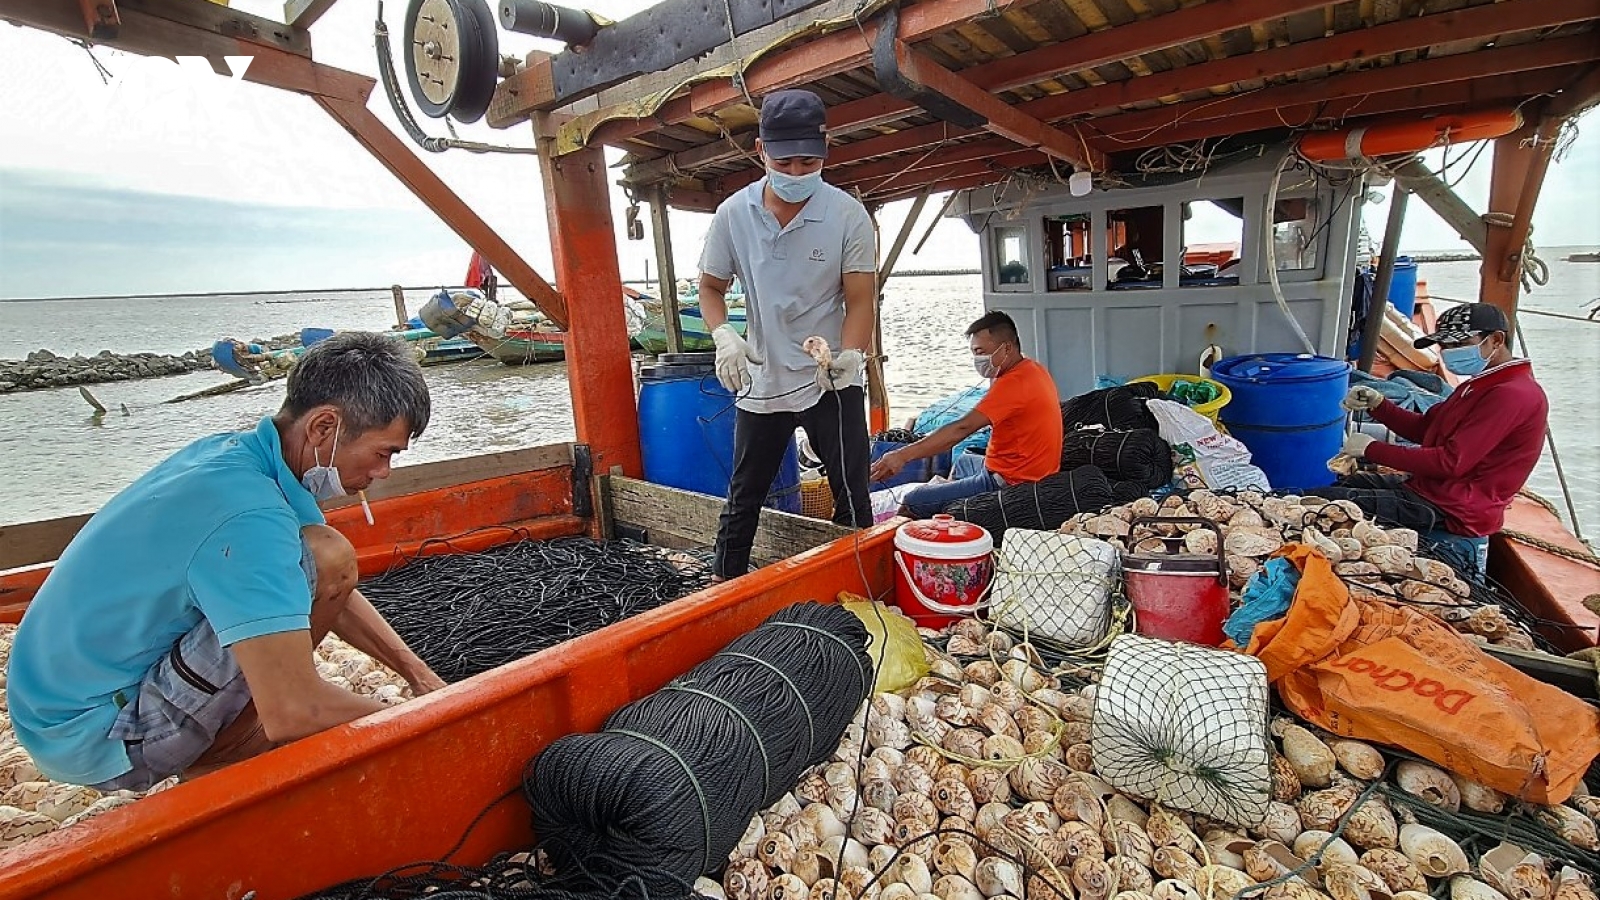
(1012, 266)
(1137, 240)
(1212, 232)
(1067, 257)
(1294, 234)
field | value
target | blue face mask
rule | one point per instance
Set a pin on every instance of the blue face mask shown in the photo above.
(793, 188)
(323, 480)
(1467, 360)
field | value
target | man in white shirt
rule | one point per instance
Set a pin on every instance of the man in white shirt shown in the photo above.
(806, 253)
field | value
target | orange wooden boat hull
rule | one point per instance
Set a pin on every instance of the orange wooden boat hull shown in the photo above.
(403, 785)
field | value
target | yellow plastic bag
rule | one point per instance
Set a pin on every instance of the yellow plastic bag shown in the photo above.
(896, 648)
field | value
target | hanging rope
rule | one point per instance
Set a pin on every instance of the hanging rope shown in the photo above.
(1535, 271)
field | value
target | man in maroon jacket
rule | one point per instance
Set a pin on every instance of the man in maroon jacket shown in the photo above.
(1474, 450)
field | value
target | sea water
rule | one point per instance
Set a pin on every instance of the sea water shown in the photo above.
(60, 460)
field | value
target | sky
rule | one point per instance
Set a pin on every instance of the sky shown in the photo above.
(170, 180)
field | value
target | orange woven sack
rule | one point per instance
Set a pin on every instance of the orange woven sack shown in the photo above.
(1390, 673)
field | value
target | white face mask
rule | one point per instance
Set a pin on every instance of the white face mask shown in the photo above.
(323, 480)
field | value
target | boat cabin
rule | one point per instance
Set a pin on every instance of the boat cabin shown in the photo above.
(1168, 296)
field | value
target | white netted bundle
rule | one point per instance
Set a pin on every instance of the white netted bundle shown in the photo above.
(1056, 586)
(1186, 726)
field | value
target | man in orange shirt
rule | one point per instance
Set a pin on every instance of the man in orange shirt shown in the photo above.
(1023, 407)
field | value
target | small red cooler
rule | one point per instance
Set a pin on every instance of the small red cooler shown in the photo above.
(1178, 596)
(943, 569)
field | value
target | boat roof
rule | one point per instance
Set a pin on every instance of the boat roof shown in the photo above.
(937, 95)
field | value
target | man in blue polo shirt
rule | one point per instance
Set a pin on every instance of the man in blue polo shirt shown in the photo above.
(175, 634)
(807, 255)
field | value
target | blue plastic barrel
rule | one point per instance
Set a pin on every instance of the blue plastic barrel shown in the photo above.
(1403, 289)
(686, 420)
(1285, 408)
(916, 470)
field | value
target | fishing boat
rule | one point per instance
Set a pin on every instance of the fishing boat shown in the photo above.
(520, 346)
(652, 338)
(1592, 256)
(1015, 115)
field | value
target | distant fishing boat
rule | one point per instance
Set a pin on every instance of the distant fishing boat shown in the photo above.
(1591, 256)
(652, 338)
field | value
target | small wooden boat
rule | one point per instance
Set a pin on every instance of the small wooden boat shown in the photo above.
(521, 346)
(652, 338)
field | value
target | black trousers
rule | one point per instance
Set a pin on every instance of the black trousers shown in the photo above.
(837, 429)
(1386, 499)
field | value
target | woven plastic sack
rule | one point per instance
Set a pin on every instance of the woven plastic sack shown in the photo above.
(1185, 726)
(1056, 586)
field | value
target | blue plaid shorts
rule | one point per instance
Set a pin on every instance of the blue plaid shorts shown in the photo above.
(192, 692)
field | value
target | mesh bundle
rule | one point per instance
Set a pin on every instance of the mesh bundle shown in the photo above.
(1185, 726)
(1138, 455)
(1120, 408)
(664, 793)
(1056, 586)
(1046, 503)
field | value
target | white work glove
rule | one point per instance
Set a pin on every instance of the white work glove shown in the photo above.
(843, 372)
(734, 357)
(1356, 444)
(1362, 397)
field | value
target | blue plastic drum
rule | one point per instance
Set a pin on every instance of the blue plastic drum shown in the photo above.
(686, 420)
(1285, 408)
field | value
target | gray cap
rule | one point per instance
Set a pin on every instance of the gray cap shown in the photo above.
(793, 123)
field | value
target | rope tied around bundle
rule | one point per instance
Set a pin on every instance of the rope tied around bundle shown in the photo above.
(1138, 455)
(1118, 408)
(1045, 504)
(666, 790)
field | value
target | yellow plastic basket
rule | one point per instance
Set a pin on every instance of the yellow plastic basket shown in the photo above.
(816, 498)
(1209, 410)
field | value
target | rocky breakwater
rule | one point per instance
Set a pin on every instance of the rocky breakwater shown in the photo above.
(44, 369)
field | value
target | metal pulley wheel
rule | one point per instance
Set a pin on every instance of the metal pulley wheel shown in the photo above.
(452, 57)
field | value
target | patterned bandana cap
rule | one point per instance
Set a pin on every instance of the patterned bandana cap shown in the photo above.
(1461, 322)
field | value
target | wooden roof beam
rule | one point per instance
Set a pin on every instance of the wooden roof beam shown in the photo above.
(1454, 96)
(998, 116)
(1090, 50)
(1474, 23)
(1146, 127)
(1577, 97)
(305, 13)
(897, 172)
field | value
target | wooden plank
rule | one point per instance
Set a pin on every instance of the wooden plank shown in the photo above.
(461, 470)
(31, 543)
(687, 520)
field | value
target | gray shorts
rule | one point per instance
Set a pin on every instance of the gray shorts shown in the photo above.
(193, 692)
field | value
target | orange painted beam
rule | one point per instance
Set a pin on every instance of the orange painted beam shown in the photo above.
(1003, 118)
(1543, 147)
(404, 524)
(1475, 23)
(1515, 166)
(1125, 128)
(376, 137)
(1551, 586)
(1579, 96)
(404, 784)
(1459, 96)
(599, 365)
(828, 55)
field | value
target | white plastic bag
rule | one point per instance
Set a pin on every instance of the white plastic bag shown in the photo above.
(1223, 460)
(1057, 586)
(1185, 726)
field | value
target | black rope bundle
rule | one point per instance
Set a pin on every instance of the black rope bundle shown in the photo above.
(1047, 503)
(466, 613)
(1121, 408)
(665, 792)
(1138, 455)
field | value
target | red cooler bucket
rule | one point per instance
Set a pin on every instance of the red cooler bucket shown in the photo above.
(1178, 596)
(943, 569)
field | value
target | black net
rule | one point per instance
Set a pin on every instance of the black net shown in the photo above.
(1115, 407)
(1044, 504)
(1139, 455)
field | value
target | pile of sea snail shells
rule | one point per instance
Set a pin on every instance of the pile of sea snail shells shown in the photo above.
(978, 782)
(1374, 562)
(31, 805)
